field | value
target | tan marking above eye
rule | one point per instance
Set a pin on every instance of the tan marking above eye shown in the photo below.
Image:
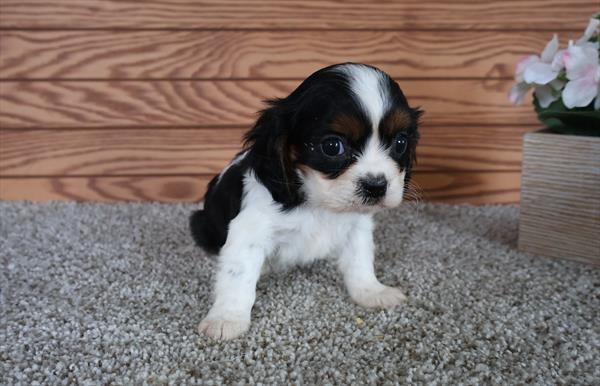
(395, 121)
(348, 126)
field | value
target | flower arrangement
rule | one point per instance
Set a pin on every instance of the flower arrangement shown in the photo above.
(566, 83)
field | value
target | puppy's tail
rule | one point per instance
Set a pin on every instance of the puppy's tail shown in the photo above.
(203, 233)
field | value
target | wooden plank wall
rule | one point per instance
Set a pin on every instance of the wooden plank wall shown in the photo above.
(123, 100)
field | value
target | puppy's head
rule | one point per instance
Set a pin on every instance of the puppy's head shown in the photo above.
(344, 140)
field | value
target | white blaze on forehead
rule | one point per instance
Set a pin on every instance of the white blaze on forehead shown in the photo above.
(375, 157)
(369, 87)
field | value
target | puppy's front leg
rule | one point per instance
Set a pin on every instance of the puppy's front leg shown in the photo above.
(356, 264)
(240, 263)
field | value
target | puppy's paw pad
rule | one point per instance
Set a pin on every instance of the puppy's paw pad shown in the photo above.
(381, 297)
(223, 329)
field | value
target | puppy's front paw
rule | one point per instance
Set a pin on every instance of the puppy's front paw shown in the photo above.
(379, 297)
(222, 328)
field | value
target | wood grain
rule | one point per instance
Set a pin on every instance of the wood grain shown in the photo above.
(447, 187)
(63, 104)
(297, 14)
(260, 54)
(117, 152)
(475, 188)
(560, 207)
(105, 189)
(190, 151)
(476, 148)
(112, 100)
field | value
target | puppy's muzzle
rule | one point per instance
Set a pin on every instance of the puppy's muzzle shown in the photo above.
(372, 188)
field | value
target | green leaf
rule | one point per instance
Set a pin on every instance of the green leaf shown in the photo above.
(577, 121)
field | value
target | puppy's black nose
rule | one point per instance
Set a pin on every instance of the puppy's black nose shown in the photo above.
(373, 187)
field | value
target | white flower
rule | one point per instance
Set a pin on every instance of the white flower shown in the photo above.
(579, 63)
(592, 27)
(539, 71)
(543, 70)
(517, 93)
(583, 71)
(548, 93)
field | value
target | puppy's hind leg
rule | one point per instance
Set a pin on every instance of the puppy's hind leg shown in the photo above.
(240, 263)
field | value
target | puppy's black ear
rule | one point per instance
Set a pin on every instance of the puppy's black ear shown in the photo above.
(271, 153)
(415, 114)
(268, 130)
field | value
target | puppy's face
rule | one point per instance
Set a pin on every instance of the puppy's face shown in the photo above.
(344, 140)
(358, 139)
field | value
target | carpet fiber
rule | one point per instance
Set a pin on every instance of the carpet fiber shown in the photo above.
(112, 294)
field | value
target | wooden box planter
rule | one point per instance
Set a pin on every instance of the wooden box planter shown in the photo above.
(560, 196)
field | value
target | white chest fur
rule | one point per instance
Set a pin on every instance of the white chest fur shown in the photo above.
(297, 236)
(304, 234)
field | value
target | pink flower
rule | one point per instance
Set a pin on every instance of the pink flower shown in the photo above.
(540, 72)
(579, 64)
(583, 71)
(543, 70)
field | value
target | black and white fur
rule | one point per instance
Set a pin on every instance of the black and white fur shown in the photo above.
(314, 169)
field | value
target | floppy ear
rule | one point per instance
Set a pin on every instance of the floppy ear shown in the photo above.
(267, 132)
(271, 154)
(416, 114)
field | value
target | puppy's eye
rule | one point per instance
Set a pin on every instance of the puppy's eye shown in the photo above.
(333, 146)
(400, 144)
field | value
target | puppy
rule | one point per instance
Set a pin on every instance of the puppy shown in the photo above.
(314, 169)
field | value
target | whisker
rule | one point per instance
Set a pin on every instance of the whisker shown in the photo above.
(413, 195)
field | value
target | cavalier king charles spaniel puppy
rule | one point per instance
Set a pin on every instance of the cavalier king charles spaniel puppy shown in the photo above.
(314, 169)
